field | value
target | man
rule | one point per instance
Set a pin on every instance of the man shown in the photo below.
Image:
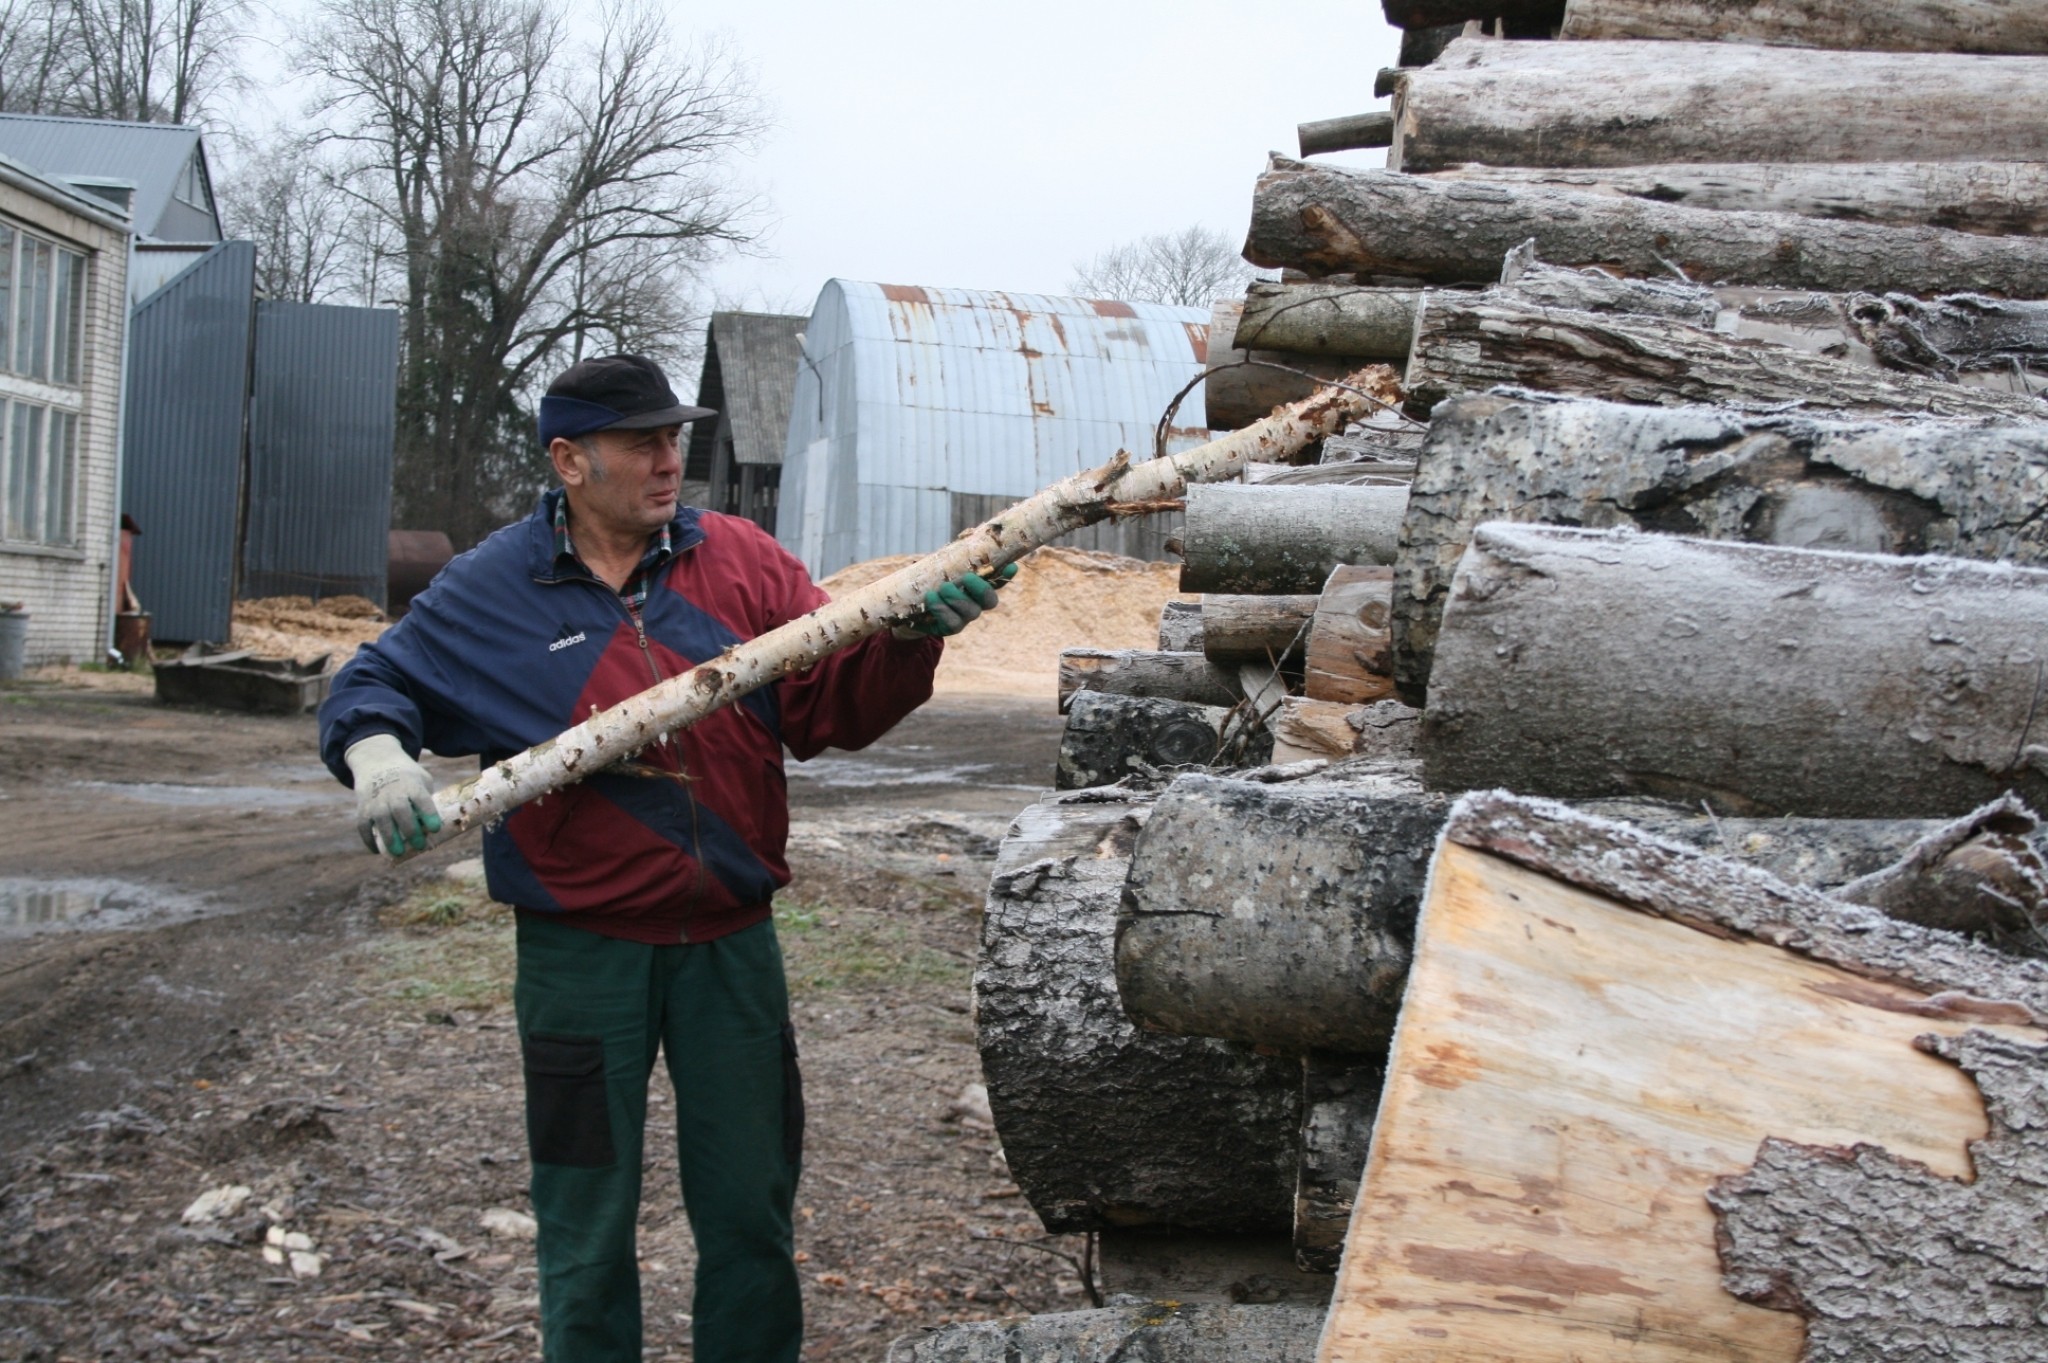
(642, 893)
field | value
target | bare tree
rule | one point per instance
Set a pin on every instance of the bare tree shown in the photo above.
(310, 233)
(1191, 268)
(150, 61)
(530, 200)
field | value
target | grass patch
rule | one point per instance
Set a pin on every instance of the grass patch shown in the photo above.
(445, 946)
(828, 950)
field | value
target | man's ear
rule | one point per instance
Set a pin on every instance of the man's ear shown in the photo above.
(570, 461)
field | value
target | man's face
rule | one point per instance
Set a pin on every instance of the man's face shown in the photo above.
(625, 481)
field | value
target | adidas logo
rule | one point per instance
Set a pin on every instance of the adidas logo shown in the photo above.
(558, 645)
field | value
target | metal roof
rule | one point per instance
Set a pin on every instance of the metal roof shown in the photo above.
(151, 156)
(750, 362)
(907, 396)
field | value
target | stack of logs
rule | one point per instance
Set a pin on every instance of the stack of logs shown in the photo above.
(1718, 510)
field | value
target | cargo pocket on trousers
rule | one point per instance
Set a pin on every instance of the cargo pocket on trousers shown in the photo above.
(792, 1099)
(568, 1120)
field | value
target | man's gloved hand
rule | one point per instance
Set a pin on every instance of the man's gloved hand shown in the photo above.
(956, 605)
(394, 796)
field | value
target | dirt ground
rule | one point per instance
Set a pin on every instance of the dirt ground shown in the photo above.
(205, 983)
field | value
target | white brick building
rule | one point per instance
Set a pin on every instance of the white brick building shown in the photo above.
(63, 317)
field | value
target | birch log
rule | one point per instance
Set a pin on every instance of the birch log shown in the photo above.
(1104, 1125)
(1377, 224)
(1992, 198)
(1644, 103)
(1759, 680)
(1588, 1150)
(1991, 26)
(1966, 489)
(616, 734)
(1275, 540)
(1469, 342)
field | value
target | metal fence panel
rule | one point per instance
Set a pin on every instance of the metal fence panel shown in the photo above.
(182, 444)
(322, 421)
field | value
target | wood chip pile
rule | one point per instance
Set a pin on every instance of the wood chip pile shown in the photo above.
(1570, 889)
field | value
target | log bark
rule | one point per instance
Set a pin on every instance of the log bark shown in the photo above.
(1759, 680)
(1256, 629)
(1180, 627)
(1470, 342)
(1982, 875)
(1104, 1125)
(1156, 1332)
(1990, 198)
(1571, 999)
(1186, 677)
(1987, 26)
(1921, 487)
(1109, 737)
(625, 729)
(1274, 540)
(1414, 14)
(1355, 132)
(1306, 729)
(1339, 1095)
(1350, 655)
(1382, 225)
(1644, 103)
(1332, 320)
(1280, 914)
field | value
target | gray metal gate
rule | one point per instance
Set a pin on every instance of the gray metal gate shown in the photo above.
(188, 376)
(322, 420)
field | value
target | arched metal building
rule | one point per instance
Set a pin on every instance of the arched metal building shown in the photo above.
(920, 412)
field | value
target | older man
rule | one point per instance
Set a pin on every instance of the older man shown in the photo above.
(643, 892)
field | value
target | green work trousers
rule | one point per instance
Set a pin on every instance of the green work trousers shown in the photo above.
(593, 1011)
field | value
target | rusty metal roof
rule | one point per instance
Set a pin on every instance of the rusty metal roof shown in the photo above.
(907, 396)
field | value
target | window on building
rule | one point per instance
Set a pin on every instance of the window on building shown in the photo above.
(42, 314)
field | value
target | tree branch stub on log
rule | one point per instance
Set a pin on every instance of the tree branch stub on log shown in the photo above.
(1384, 225)
(1966, 489)
(1629, 103)
(1758, 679)
(616, 734)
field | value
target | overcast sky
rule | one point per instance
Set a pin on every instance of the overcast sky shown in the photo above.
(919, 142)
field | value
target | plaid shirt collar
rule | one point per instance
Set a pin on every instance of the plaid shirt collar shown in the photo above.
(659, 551)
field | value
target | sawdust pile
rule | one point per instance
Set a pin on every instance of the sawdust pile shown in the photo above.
(1062, 598)
(302, 629)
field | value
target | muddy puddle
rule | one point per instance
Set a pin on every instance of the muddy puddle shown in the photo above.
(29, 906)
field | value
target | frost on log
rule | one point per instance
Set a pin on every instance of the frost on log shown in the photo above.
(1968, 489)
(1448, 231)
(1760, 680)
(1643, 103)
(1104, 1125)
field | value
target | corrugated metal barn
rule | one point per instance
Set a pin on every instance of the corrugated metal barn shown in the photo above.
(750, 364)
(920, 412)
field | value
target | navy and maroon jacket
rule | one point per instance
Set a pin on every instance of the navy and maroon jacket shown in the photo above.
(511, 645)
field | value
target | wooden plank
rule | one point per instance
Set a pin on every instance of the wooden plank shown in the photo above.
(1569, 1077)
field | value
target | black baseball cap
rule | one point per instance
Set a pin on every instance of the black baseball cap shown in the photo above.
(612, 393)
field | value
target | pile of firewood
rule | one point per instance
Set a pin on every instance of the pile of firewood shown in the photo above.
(1714, 527)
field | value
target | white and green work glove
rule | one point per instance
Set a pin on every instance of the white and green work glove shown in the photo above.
(394, 796)
(956, 604)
